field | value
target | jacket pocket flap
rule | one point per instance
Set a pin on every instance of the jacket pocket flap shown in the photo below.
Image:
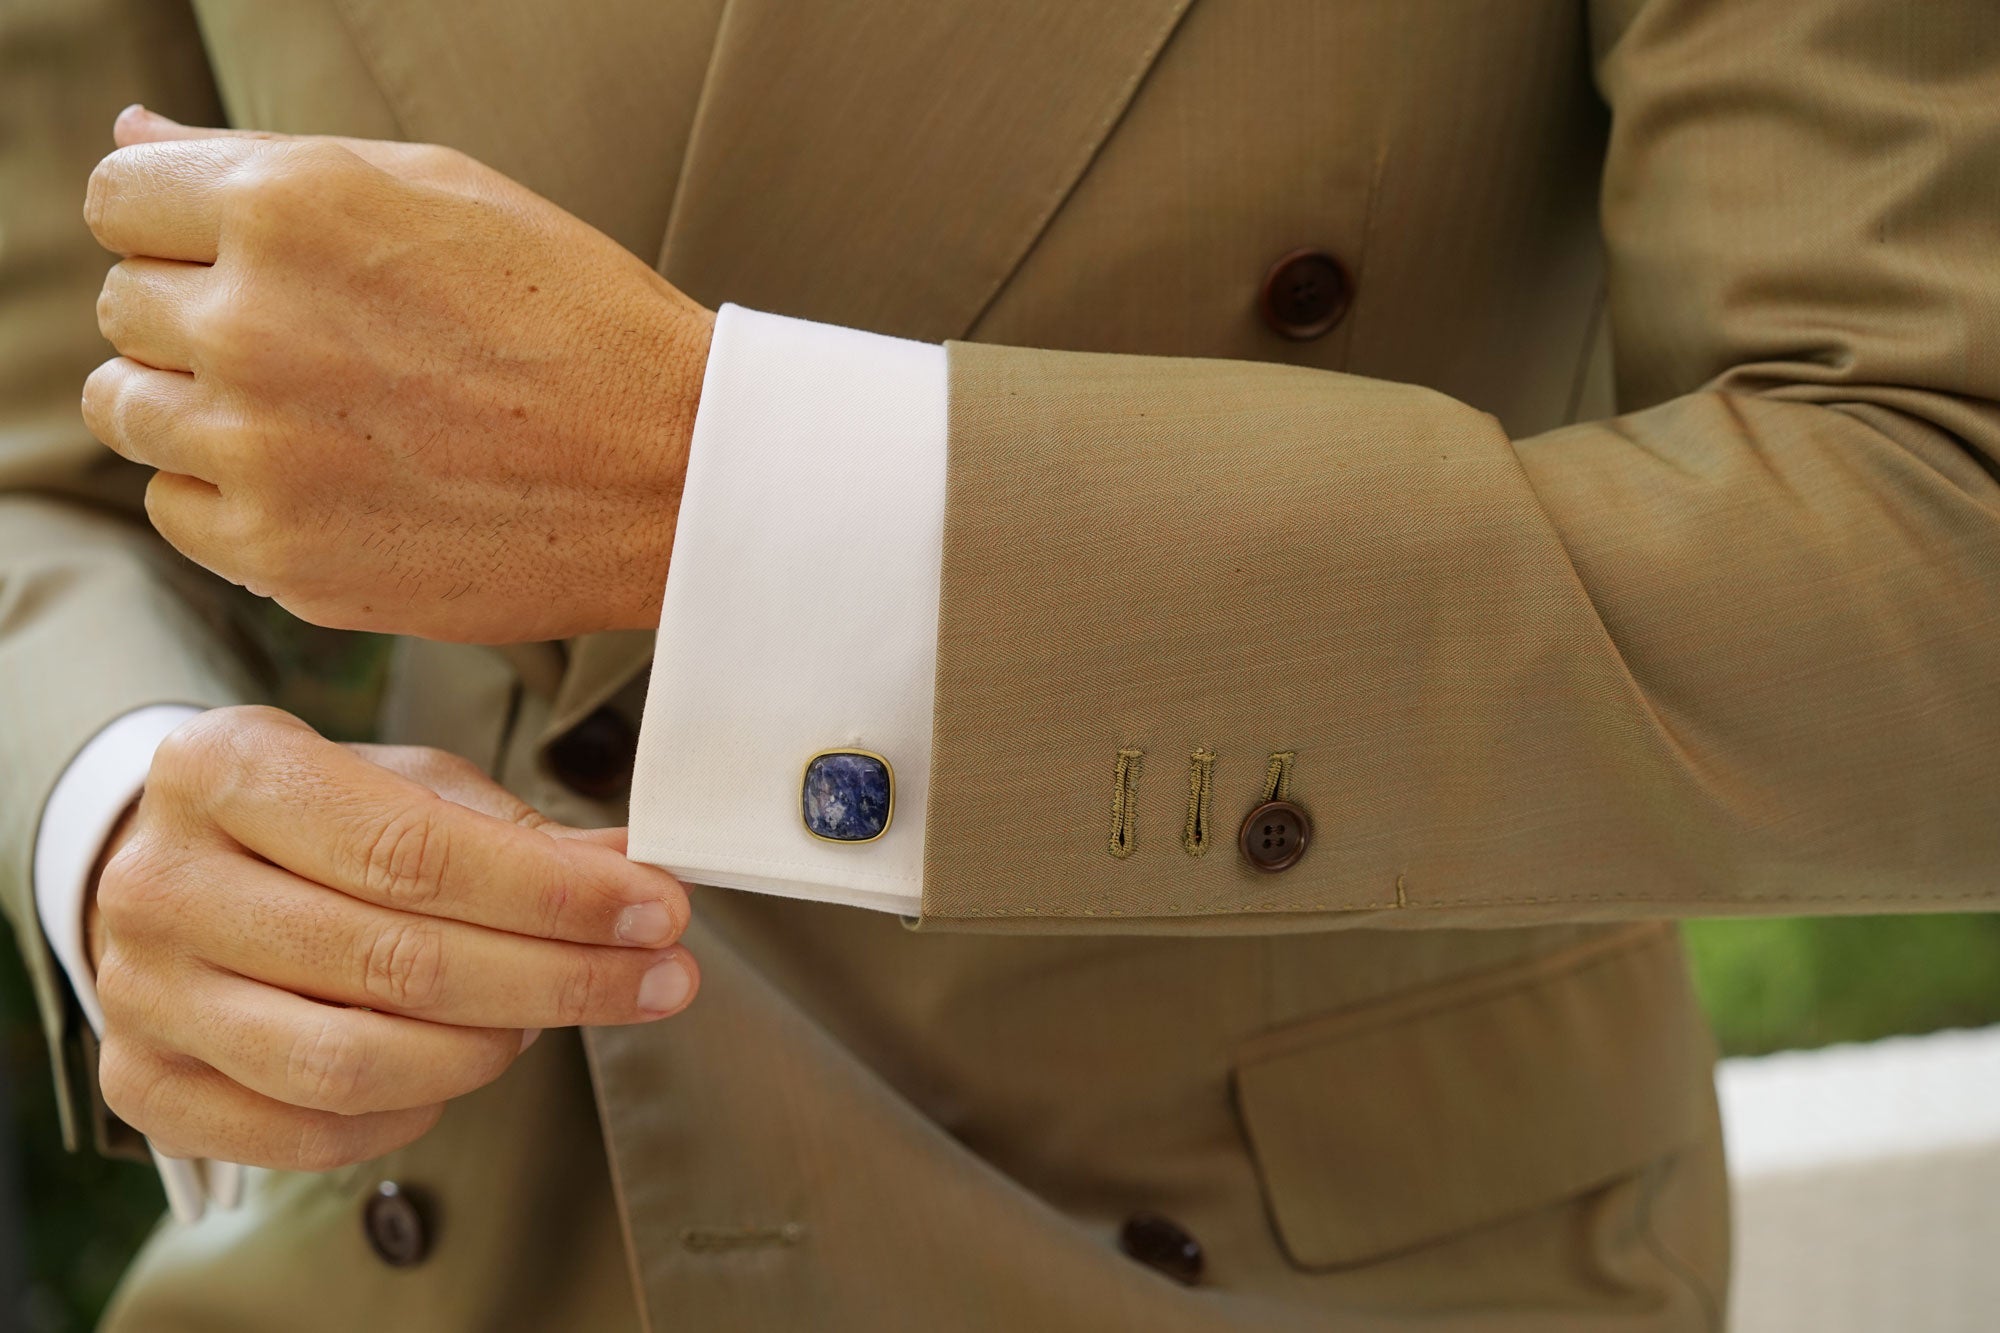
(1378, 1129)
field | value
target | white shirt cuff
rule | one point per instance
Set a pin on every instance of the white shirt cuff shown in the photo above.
(801, 610)
(82, 809)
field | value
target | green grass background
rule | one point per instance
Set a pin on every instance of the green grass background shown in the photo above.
(1769, 985)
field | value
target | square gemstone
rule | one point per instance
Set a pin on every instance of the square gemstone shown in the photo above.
(847, 796)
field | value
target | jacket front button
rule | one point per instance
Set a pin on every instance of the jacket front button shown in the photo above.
(1160, 1243)
(1305, 294)
(1274, 835)
(594, 757)
(395, 1225)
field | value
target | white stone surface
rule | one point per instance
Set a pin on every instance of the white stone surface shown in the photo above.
(1867, 1186)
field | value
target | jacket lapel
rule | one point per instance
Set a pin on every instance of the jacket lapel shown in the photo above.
(883, 164)
(886, 164)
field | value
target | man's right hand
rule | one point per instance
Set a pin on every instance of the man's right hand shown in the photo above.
(305, 949)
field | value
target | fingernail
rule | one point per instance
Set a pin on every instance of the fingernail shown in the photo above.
(665, 987)
(648, 923)
(528, 1036)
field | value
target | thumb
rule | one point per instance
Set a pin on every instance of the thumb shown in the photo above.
(136, 124)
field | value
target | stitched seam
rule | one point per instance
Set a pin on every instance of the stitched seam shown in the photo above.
(1278, 776)
(1124, 800)
(1201, 784)
(1485, 986)
(702, 1239)
(1668, 907)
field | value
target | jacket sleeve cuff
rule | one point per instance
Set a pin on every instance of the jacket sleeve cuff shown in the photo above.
(800, 613)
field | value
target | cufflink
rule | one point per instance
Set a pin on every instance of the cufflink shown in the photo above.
(847, 795)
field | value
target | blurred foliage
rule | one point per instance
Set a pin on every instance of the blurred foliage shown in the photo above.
(1768, 985)
(1780, 983)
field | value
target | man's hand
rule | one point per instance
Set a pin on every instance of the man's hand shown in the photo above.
(387, 386)
(305, 949)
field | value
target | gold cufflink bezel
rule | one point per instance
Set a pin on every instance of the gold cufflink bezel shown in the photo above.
(888, 820)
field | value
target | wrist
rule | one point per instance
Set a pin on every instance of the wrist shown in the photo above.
(643, 570)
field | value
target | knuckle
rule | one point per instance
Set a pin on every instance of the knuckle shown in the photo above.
(235, 339)
(440, 163)
(236, 452)
(581, 995)
(198, 750)
(101, 395)
(221, 330)
(445, 766)
(215, 752)
(278, 183)
(404, 967)
(556, 906)
(108, 305)
(130, 1080)
(117, 989)
(329, 1068)
(322, 1143)
(127, 413)
(502, 1049)
(405, 861)
(98, 193)
(134, 894)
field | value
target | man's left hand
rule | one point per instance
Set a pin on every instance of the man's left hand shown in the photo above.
(387, 386)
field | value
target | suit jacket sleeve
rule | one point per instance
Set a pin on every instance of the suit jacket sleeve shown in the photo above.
(97, 616)
(1730, 652)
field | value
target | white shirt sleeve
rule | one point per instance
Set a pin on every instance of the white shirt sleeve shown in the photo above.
(82, 809)
(801, 610)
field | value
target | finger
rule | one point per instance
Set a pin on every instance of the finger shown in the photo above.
(273, 927)
(142, 124)
(149, 416)
(460, 780)
(325, 1057)
(166, 199)
(138, 124)
(341, 821)
(455, 778)
(147, 308)
(189, 1110)
(192, 515)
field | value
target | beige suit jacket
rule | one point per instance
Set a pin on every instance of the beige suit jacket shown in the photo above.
(1630, 549)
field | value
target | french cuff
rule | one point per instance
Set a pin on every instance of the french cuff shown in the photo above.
(786, 742)
(82, 809)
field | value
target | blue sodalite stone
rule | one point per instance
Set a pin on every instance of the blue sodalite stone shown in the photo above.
(846, 796)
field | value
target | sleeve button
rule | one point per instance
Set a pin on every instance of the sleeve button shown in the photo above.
(1274, 835)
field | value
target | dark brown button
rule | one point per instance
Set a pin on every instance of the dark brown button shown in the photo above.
(395, 1224)
(1160, 1243)
(1305, 294)
(594, 757)
(1274, 835)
